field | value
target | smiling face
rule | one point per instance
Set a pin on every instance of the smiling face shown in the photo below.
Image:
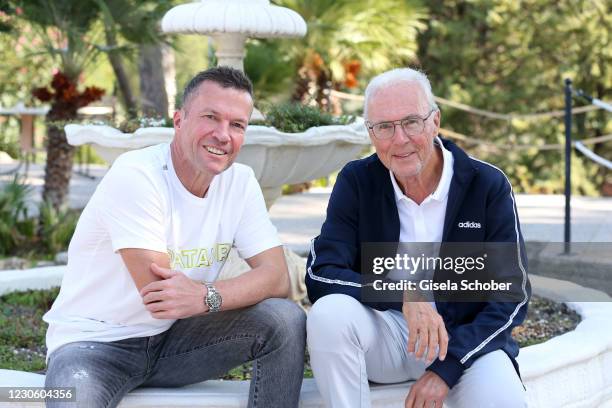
(407, 157)
(210, 128)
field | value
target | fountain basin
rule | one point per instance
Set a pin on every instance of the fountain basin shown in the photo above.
(276, 157)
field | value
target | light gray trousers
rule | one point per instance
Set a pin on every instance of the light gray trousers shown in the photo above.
(350, 343)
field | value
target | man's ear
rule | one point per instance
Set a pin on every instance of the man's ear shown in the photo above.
(177, 119)
(436, 119)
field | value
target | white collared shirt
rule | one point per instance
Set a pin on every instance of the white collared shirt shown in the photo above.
(425, 222)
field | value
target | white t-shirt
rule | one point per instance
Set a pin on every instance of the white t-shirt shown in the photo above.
(141, 203)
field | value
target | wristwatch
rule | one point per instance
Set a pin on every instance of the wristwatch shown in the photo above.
(213, 298)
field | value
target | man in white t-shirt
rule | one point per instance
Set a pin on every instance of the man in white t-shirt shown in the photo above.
(138, 306)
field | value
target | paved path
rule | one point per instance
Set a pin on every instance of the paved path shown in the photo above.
(81, 187)
(299, 217)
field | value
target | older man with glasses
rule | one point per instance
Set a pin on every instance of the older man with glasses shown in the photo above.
(419, 188)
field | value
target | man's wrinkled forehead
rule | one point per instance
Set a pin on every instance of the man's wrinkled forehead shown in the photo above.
(405, 93)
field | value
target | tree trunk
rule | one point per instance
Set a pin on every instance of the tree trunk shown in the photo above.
(124, 85)
(59, 166)
(154, 99)
(122, 78)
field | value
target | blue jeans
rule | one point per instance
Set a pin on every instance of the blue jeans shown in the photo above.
(271, 334)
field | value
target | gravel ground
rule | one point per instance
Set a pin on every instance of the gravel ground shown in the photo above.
(545, 319)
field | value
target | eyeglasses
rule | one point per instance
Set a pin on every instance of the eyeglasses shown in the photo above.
(412, 125)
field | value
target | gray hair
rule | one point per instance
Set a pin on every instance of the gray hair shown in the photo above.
(393, 77)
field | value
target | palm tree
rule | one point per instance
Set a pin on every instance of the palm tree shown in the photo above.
(74, 33)
(132, 27)
(348, 36)
(67, 31)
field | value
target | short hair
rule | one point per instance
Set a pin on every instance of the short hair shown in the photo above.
(395, 76)
(226, 77)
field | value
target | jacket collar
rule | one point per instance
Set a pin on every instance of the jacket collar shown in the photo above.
(384, 198)
(463, 173)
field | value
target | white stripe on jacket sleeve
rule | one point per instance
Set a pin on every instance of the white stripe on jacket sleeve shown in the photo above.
(520, 262)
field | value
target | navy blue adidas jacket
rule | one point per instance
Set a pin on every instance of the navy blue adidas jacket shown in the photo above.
(362, 208)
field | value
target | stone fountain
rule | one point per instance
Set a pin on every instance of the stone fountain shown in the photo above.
(277, 158)
(230, 22)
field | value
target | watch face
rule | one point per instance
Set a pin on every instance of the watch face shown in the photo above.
(213, 300)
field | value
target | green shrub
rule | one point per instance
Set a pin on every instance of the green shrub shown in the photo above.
(56, 227)
(15, 226)
(22, 330)
(9, 133)
(21, 234)
(295, 117)
(287, 117)
(39, 299)
(131, 125)
(11, 147)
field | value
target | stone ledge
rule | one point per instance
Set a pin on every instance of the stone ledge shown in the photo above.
(574, 369)
(35, 278)
(208, 394)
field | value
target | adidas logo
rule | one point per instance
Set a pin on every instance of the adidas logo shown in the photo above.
(469, 224)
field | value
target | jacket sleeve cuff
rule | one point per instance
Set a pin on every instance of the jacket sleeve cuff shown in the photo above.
(382, 306)
(450, 370)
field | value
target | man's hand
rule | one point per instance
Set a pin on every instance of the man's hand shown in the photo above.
(426, 326)
(429, 391)
(175, 296)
